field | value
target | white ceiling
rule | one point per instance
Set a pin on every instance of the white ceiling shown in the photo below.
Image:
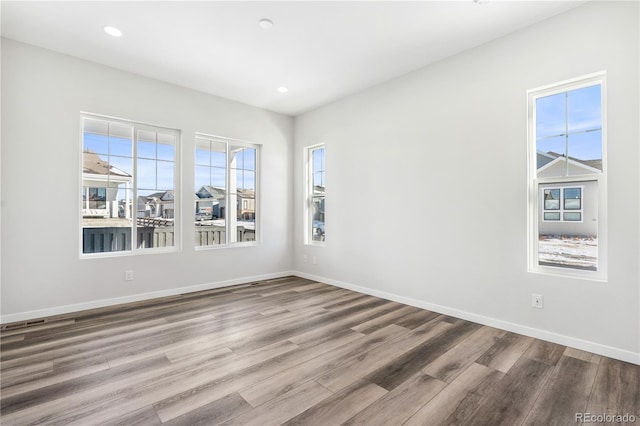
(321, 51)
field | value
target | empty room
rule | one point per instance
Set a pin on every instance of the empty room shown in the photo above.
(320, 213)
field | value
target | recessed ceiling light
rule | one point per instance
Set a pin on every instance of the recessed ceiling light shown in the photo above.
(265, 23)
(282, 89)
(112, 31)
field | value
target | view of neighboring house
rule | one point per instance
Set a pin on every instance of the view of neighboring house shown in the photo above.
(211, 204)
(246, 204)
(568, 209)
(100, 185)
(156, 205)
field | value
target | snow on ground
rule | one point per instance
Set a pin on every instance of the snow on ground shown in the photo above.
(561, 250)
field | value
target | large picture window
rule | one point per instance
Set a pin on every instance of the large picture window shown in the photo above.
(128, 186)
(315, 217)
(225, 191)
(567, 178)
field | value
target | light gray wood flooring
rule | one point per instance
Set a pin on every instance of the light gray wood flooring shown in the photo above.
(296, 352)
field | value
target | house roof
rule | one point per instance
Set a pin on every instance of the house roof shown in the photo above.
(595, 164)
(246, 193)
(92, 163)
(208, 191)
(578, 167)
(162, 196)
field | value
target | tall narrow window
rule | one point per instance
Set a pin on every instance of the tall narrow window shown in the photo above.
(315, 229)
(567, 178)
(128, 186)
(225, 191)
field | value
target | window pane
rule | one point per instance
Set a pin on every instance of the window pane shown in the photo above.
(95, 143)
(146, 149)
(552, 200)
(121, 167)
(550, 116)
(317, 214)
(165, 175)
(165, 152)
(584, 109)
(146, 174)
(551, 216)
(318, 180)
(552, 145)
(120, 147)
(202, 177)
(203, 157)
(236, 157)
(218, 159)
(249, 162)
(551, 159)
(318, 159)
(586, 148)
(246, 179)
(572, 216)
(218, 177)
(572, 198)
(569, 238)
(155, 222)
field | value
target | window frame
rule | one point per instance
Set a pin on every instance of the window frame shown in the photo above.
(535, 202)
(135, 127)
(230, 242)
(309, 194)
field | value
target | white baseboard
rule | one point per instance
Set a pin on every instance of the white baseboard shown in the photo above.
(66, 309)
(561, 339)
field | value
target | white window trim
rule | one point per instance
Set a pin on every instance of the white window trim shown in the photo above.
(257, 194)
(533, 201)
(177, 234)
(308, 196)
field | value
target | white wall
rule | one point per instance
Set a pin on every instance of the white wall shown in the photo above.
(451, 140)
(42, 95)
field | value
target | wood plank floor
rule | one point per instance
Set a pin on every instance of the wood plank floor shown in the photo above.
(297, 352)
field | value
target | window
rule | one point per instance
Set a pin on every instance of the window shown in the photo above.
(562, 204)
(225, 191)
(315, 217)
(567, 176)
(128, 186)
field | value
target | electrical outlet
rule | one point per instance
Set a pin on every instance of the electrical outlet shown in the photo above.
(315, 260)
(128, 275)
(304, 258)
(537, 301)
